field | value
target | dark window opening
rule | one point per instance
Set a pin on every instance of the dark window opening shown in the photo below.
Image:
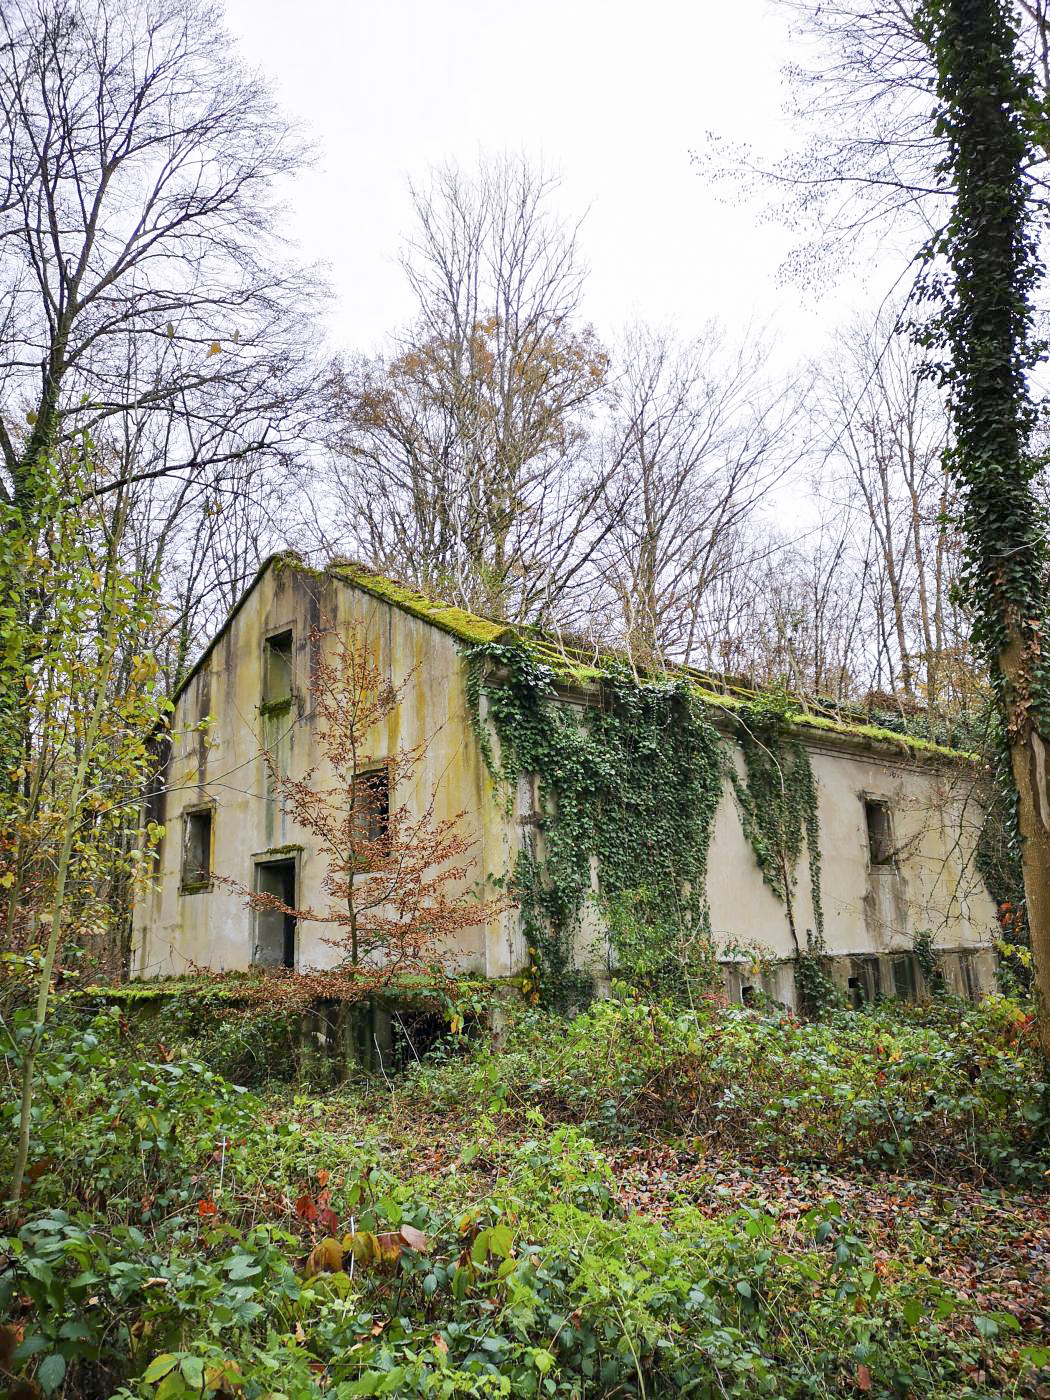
(277, 669)
(372, 805)
(905, 980)
(275, 927)
(969, 976)
(747, 996)
(196, 849)
(880, 831)
(863, 985)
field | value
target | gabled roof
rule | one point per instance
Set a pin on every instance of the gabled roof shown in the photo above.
(572, 665)
(465, 626)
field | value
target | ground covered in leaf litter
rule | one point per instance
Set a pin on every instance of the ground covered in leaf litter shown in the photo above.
(989, 1245)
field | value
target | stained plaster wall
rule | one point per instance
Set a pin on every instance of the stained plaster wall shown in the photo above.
(868, 909)
(221, 766)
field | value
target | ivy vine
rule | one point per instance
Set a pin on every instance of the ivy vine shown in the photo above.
(627, 785)
(777, 798)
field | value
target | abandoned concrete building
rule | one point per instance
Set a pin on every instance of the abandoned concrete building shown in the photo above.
(896, 820)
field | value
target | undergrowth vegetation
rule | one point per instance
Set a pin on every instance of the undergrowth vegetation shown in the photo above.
(466, 1228)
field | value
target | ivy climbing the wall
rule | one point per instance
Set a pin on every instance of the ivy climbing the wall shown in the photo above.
(777, 798)
(626, 785)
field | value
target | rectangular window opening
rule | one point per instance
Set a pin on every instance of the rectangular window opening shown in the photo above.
(372, 805)
(275, 927)
(880, 831)
(969, 977)
(905, 980)
(196, 849)
(277, 668)
(864, 986)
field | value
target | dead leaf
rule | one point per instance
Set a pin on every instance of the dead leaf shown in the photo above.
(863, 1378)
(390, 1246)
(413, 1238)
(326, 1257)
(305, 1208)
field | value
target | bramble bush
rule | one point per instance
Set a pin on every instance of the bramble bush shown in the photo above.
(950, 1089)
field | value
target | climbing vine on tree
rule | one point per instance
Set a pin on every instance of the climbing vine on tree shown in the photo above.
(627, 788)
(981, 271)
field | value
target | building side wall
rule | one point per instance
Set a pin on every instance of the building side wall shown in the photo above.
(869, 909)
(219, 732)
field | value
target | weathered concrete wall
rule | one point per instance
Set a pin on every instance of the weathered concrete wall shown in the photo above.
(931, 883)
(221, 766)
(869, 909)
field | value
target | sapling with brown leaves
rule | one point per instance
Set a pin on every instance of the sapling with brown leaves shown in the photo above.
(396, 872)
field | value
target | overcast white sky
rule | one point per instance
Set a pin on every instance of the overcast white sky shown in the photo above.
(612, 93)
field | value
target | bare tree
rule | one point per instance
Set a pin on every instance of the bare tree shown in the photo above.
(885, 428)
(460, 457)
(697, 438)
(140, 264)
(863, 99)
(792, 612)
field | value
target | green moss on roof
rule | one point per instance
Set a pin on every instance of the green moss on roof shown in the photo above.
(567, 668)
(569, 671)
(468, 627)
(883, 736)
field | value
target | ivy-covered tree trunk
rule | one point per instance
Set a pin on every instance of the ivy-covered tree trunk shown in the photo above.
(988, 118)
(1030, 765)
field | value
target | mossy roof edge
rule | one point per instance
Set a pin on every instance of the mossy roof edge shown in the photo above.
(914, 745)
(570, 672)
(466, 626)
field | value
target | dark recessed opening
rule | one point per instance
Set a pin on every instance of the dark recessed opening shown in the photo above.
(275, 927)
(277, 668)
(905, 979)
(196, 848)
(880, 831)
(372, 806)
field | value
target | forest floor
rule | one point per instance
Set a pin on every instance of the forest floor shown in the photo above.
(634, 1202)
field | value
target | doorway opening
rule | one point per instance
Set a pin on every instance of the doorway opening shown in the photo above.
(274, 928)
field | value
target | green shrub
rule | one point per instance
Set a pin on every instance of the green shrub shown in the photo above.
(174, 1234)
(950, 1088)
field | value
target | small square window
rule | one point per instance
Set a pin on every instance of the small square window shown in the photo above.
(277, 669)
(372, 805)
(880, 831)
(196, 849)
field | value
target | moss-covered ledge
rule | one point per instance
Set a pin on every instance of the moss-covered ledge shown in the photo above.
(466, 626)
